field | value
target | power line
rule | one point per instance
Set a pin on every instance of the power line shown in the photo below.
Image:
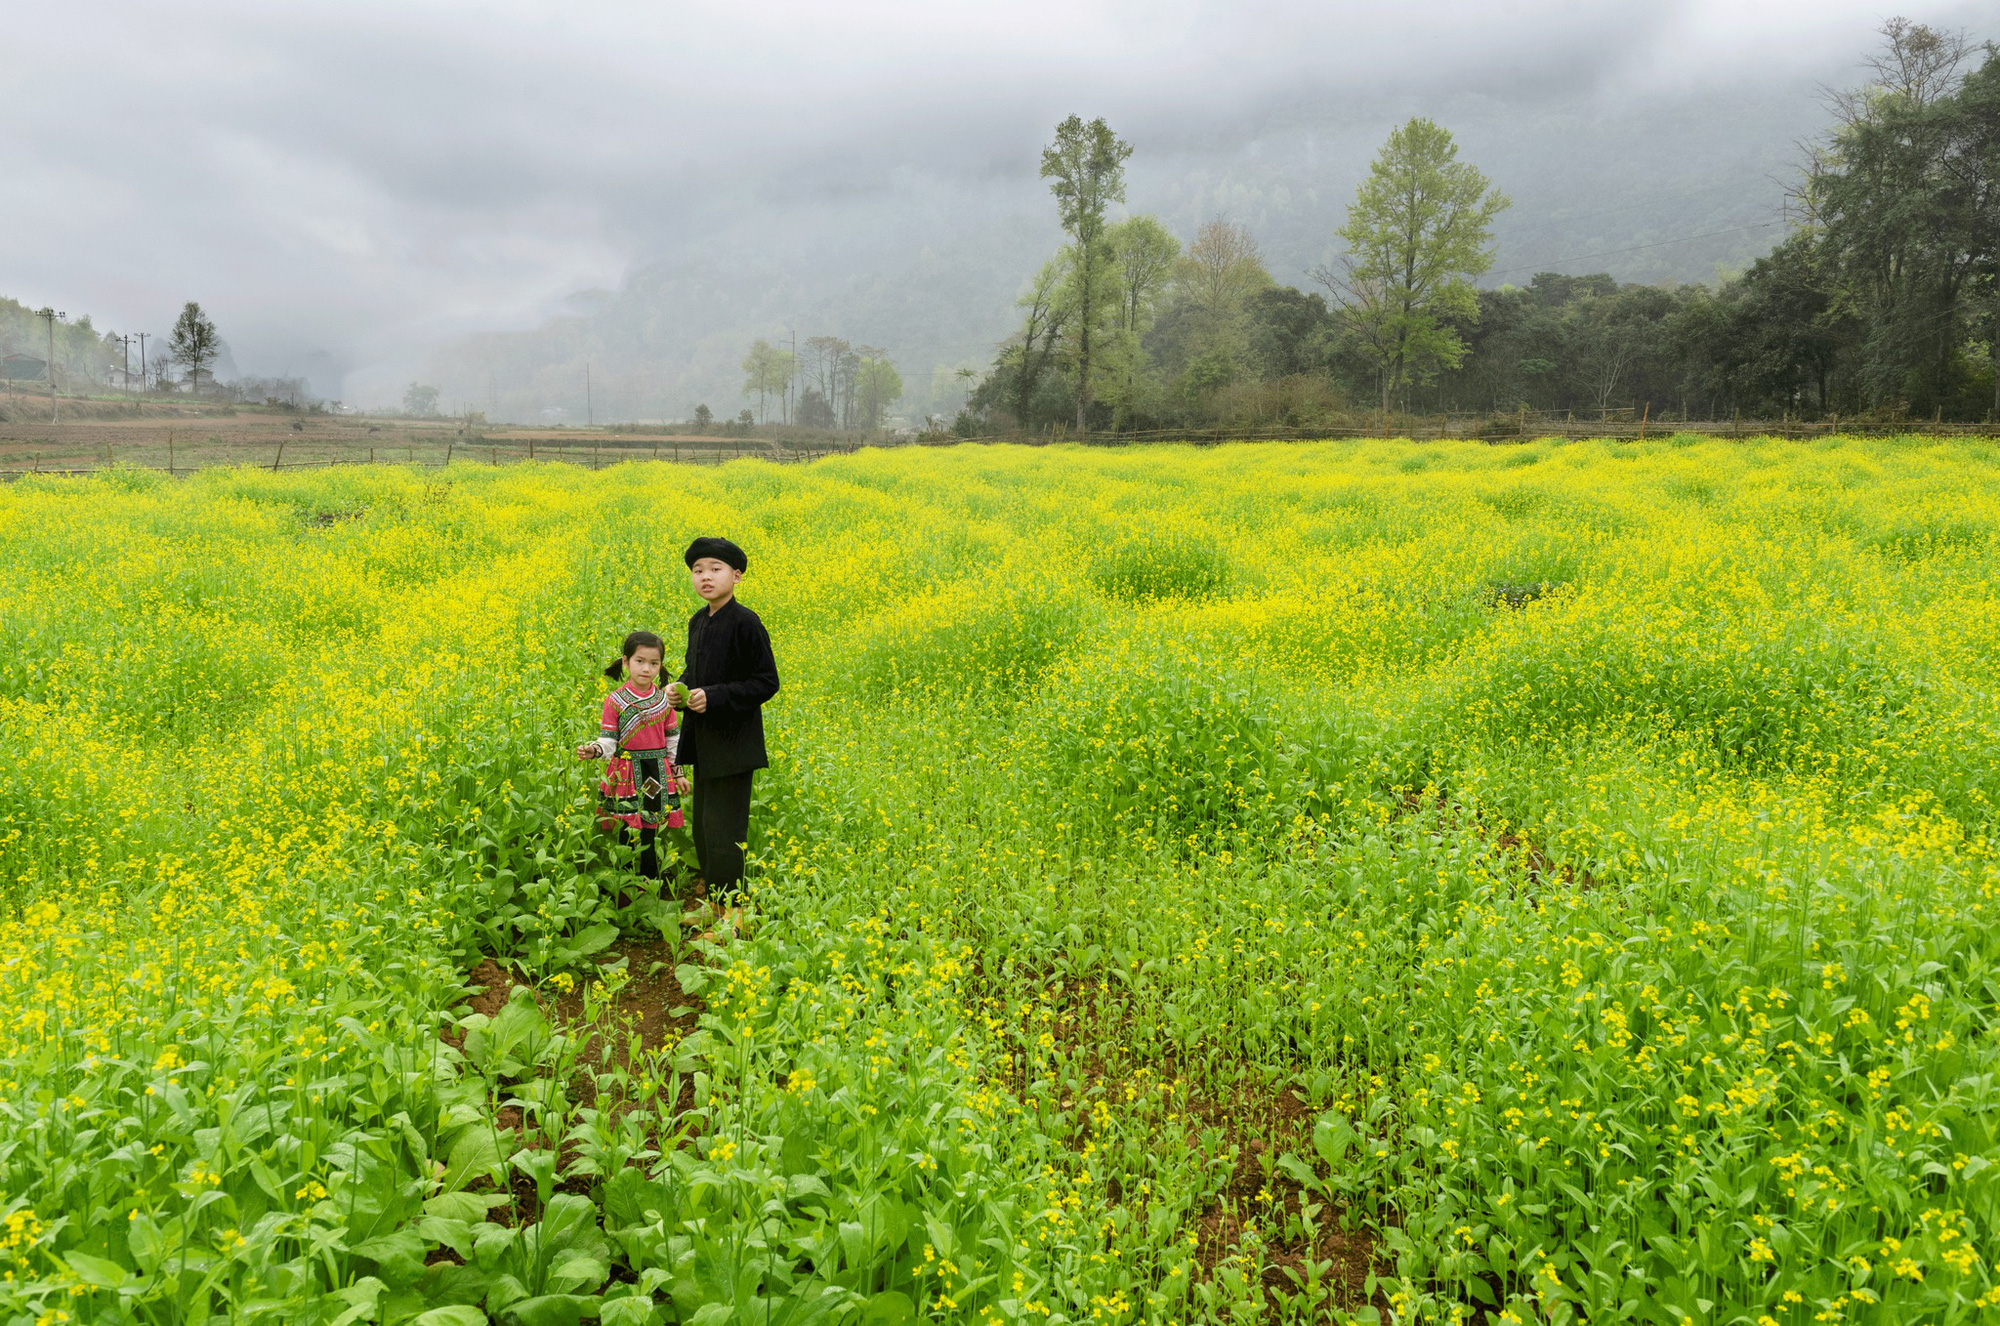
(1552, 263)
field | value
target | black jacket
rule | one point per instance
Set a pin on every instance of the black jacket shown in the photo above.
(728, 656)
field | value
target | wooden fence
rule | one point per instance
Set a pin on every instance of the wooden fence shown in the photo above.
(612, 449)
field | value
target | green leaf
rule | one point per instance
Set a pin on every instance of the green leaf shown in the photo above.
(596, 939)
(142, 1236)
(569, 1220)
(889, 1308)
(506, 1292)
(453, 1234)
(854, 1242)
(361, 1298)
(578, 1270)
(99, 1271)
(456, 1315)
(476, 1152)
(549, 1310)
(458, 1206)
(1333, 1137)
(627, 1312)
(629, 1195)
(941, 1235)
(266, 1180)
(1299, 1170)
(398, 1255)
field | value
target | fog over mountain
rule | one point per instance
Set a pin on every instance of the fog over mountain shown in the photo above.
(496, 198)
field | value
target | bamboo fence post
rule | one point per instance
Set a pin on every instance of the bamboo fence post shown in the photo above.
(1643, 420)
(278, 459)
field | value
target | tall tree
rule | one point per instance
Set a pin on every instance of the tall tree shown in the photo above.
(1420, 229)
(813, 411)
(877, 387)
(421, 401)
(1143, 253)
(1039, 334)
(1910, 209)
(1916, 62)
(830, 356)
(1223, 268)
(847, 377)
(194, 343)
(766, 371)
(1085, 167)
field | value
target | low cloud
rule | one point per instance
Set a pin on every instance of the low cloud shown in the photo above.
(354, 183)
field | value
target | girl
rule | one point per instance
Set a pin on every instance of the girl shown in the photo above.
(639, 791)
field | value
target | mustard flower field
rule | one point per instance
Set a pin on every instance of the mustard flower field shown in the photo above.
(1282, 883)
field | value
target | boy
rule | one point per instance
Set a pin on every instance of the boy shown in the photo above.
(729, 675)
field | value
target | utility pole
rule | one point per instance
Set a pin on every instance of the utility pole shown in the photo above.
(791, 374)
(142, 363)
(125, 346)
(50, 316)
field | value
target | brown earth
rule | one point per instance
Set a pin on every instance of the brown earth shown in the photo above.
(644, 1006)
(160, 437)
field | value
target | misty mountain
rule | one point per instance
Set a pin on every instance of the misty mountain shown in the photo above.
(926, 264)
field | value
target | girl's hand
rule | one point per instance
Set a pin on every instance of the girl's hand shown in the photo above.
(698, 701)
(587, 751)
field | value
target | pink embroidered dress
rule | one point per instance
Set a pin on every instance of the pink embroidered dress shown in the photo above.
(640, 733)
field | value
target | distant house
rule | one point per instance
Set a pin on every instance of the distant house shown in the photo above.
(23, 368)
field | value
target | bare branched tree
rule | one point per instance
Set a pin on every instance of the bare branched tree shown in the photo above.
(1223, 267)
(1917, 63)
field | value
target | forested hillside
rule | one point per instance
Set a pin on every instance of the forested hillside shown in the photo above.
(1881, 296)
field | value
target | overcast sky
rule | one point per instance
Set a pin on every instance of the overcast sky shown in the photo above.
(350, 183)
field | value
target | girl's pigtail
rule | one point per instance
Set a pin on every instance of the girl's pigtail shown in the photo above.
(615, 669)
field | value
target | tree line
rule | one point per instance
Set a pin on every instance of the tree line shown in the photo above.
(830, 385)
(1882, 299)
(85, 360)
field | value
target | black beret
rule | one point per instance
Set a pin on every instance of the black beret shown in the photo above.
(722, 550)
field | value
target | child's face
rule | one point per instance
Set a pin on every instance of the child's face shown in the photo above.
(644, 665)
(714, 579)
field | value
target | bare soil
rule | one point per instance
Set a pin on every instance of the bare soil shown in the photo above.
(157, 436)
(644, 1006)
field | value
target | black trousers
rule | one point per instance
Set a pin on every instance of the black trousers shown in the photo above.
(721, 825)
(649, 855)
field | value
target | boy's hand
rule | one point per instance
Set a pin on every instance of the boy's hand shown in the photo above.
(698, 701)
